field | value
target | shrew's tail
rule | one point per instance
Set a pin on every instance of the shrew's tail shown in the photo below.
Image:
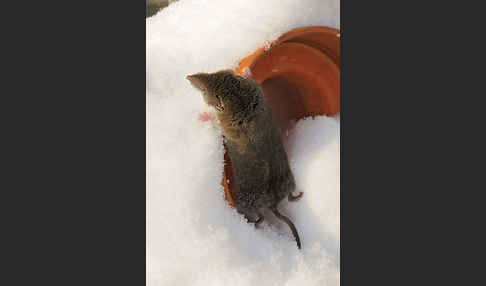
(287, 220)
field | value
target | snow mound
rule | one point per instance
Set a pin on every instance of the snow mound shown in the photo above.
(193, 236)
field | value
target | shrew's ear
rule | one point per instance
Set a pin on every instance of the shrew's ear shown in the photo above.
(198, 80)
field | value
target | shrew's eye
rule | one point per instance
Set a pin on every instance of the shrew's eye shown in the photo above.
(220, 105)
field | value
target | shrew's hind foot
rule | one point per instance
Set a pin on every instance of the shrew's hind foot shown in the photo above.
(259, 220)
(295, 198)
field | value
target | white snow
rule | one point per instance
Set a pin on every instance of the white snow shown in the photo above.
(193, 236)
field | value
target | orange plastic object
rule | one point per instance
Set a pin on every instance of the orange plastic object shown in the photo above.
(228, 178)
(300, 76)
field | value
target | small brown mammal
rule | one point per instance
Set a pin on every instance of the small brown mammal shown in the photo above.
(262, 174)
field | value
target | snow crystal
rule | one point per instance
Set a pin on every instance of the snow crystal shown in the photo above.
(193, 236)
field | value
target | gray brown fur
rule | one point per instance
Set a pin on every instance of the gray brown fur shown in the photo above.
(262, 174)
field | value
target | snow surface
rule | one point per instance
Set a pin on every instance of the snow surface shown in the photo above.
(193, 236)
